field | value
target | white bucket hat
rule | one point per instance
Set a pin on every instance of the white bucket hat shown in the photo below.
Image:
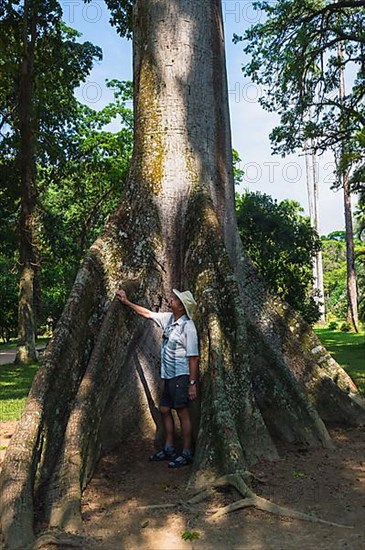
(187, 300)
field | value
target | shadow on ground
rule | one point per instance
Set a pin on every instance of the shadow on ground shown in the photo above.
(328, 484)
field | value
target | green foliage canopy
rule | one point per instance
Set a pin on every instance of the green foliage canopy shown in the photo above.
(294, 59)
(61, 63)
(335, 272)
(80, 194)
(121, 15)
(281, 243)
(80, 165)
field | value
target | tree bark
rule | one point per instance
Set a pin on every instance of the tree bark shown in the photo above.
(263, 372)
(318, 264)
(313, 203)
(352, 313)
(28, 256)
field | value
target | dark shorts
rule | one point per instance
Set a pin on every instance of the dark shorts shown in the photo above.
(175, 393)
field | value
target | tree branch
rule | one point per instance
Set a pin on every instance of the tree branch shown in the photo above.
(333, 7)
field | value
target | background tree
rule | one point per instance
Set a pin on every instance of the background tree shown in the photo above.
(78, 195)
(313, 203)
(293, 56)
(24, 121)
(360, 212)
(8, 298)
(264, 373)
(334, 262)
(357, 184)
(335, 267)
(42, 65)
(343, 172)
(299, 55)
(9, 255)
(75, 197)
(360, 250)
(281, 243)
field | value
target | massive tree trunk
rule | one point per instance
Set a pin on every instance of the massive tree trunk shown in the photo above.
(28, 261)
(264, 374)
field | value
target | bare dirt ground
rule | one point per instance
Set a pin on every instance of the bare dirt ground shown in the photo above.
(327, 483)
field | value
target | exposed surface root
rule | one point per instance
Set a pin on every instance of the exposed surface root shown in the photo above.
(250, 500)
(272, 508)
(157, 506)
(59, 539)
(178, 504)
(202, 495)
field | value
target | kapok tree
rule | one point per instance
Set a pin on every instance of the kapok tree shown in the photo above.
(264, 374)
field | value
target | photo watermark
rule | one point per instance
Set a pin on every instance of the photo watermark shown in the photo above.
(289, 172)
(91, 12)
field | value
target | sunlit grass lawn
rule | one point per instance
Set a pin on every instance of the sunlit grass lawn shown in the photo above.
(8, 345)
(348, 349)
(15, 382)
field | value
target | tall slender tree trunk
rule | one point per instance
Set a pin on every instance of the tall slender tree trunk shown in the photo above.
(318, 263)
(352, 313)
(28, 257)
(313, 202)
(264, 374)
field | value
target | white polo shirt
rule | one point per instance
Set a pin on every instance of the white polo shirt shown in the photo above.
(179, 342)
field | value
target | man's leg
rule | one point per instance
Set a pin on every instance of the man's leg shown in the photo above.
(186, 428)
(186, 456)
(181, 402)
(168, 450)
(168, 424)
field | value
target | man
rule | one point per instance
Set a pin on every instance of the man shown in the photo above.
(179, 370)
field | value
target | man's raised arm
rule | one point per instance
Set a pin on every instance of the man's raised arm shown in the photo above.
(144, 312)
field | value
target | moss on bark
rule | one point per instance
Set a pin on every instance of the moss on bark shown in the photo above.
(241, 379)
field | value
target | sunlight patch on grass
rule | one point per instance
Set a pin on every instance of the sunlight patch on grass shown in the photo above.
(348, 349)
(15, 383)
(8, 345)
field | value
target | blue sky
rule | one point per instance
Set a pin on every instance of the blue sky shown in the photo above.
(251, 125)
